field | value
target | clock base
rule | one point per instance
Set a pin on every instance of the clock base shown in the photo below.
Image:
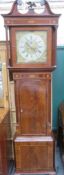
(34, 155)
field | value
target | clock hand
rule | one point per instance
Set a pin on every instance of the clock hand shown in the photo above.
(30, 46)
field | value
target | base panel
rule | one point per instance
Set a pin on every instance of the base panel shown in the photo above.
(34, 155)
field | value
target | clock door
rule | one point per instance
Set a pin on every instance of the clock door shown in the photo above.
(33, 104)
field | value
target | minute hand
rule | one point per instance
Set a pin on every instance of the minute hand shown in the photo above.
(30, 46)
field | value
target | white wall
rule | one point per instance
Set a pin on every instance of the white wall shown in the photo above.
(60, 32)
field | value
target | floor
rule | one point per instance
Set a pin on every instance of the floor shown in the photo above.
(58, 162)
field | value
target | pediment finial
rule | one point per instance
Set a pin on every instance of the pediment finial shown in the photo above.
(30, 8)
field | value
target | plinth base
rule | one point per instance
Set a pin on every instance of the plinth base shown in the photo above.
(34, 155)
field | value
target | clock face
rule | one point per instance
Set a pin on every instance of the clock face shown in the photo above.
(31, 46)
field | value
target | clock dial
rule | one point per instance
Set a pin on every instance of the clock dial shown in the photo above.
(31, 46)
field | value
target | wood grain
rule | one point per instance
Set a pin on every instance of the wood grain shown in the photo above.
(33, 93)
(4, 135)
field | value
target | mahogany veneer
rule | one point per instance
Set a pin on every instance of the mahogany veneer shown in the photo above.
(4, 151)
(33, 103)
(34, 154)
(33, 142)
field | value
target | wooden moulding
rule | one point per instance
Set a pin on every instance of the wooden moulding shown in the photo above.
(47, 17)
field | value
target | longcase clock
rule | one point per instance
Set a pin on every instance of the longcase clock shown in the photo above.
(32, 60)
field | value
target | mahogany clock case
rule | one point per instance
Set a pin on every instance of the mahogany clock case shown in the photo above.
(34, 146)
